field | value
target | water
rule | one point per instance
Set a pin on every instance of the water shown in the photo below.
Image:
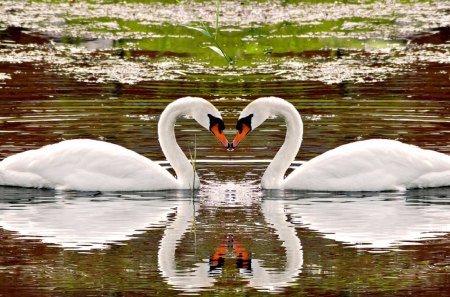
(106, 71)
(62, 242)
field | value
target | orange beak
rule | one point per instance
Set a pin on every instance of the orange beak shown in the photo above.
(240, 135)
(220, 135)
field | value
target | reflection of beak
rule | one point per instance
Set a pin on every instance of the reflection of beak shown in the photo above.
(220, 135)
(240, 135)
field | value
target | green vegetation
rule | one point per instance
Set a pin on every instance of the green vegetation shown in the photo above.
(249, 44)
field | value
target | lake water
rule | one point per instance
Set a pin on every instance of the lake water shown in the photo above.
(104, 71)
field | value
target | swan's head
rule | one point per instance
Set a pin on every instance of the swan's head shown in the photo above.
(254, 115)
(207, 115)
(216, 126)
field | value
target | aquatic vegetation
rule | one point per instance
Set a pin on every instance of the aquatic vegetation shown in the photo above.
(133, 41)
(244, 14)
(372, 19)
(106, 65)
(217, 47)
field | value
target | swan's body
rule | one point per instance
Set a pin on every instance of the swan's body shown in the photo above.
(370, 165)
(84, 164)
(90, 165)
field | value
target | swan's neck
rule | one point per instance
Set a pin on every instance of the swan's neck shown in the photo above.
(274, 175)
(186, 176)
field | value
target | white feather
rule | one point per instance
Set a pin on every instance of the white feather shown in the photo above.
(370, 165)
(91, 165)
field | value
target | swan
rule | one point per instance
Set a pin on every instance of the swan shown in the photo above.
(369, 165)
(91, 165)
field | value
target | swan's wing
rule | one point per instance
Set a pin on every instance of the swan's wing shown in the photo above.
(84, 165)
(372, 165)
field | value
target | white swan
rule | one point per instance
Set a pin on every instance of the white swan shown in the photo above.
(370, 165)
(91, 165)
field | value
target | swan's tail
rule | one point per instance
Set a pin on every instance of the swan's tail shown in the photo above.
(22, 179)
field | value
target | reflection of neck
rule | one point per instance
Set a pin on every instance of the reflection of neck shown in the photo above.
(175, 156)
(274, 175)
(262, 277)
(189, 279)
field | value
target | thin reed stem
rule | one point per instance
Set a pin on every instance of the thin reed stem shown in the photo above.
(217, 19)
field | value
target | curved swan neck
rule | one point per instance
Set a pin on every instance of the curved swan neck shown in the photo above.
(166, 136)
(274, 175)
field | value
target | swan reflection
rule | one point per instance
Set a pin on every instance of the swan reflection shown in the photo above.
(226, 231)
(374, 220)
(84, 221)
(251, 269)
(264, 278)
(89, 221)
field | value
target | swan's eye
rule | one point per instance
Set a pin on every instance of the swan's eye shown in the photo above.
(244, 121)
(216, 121)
